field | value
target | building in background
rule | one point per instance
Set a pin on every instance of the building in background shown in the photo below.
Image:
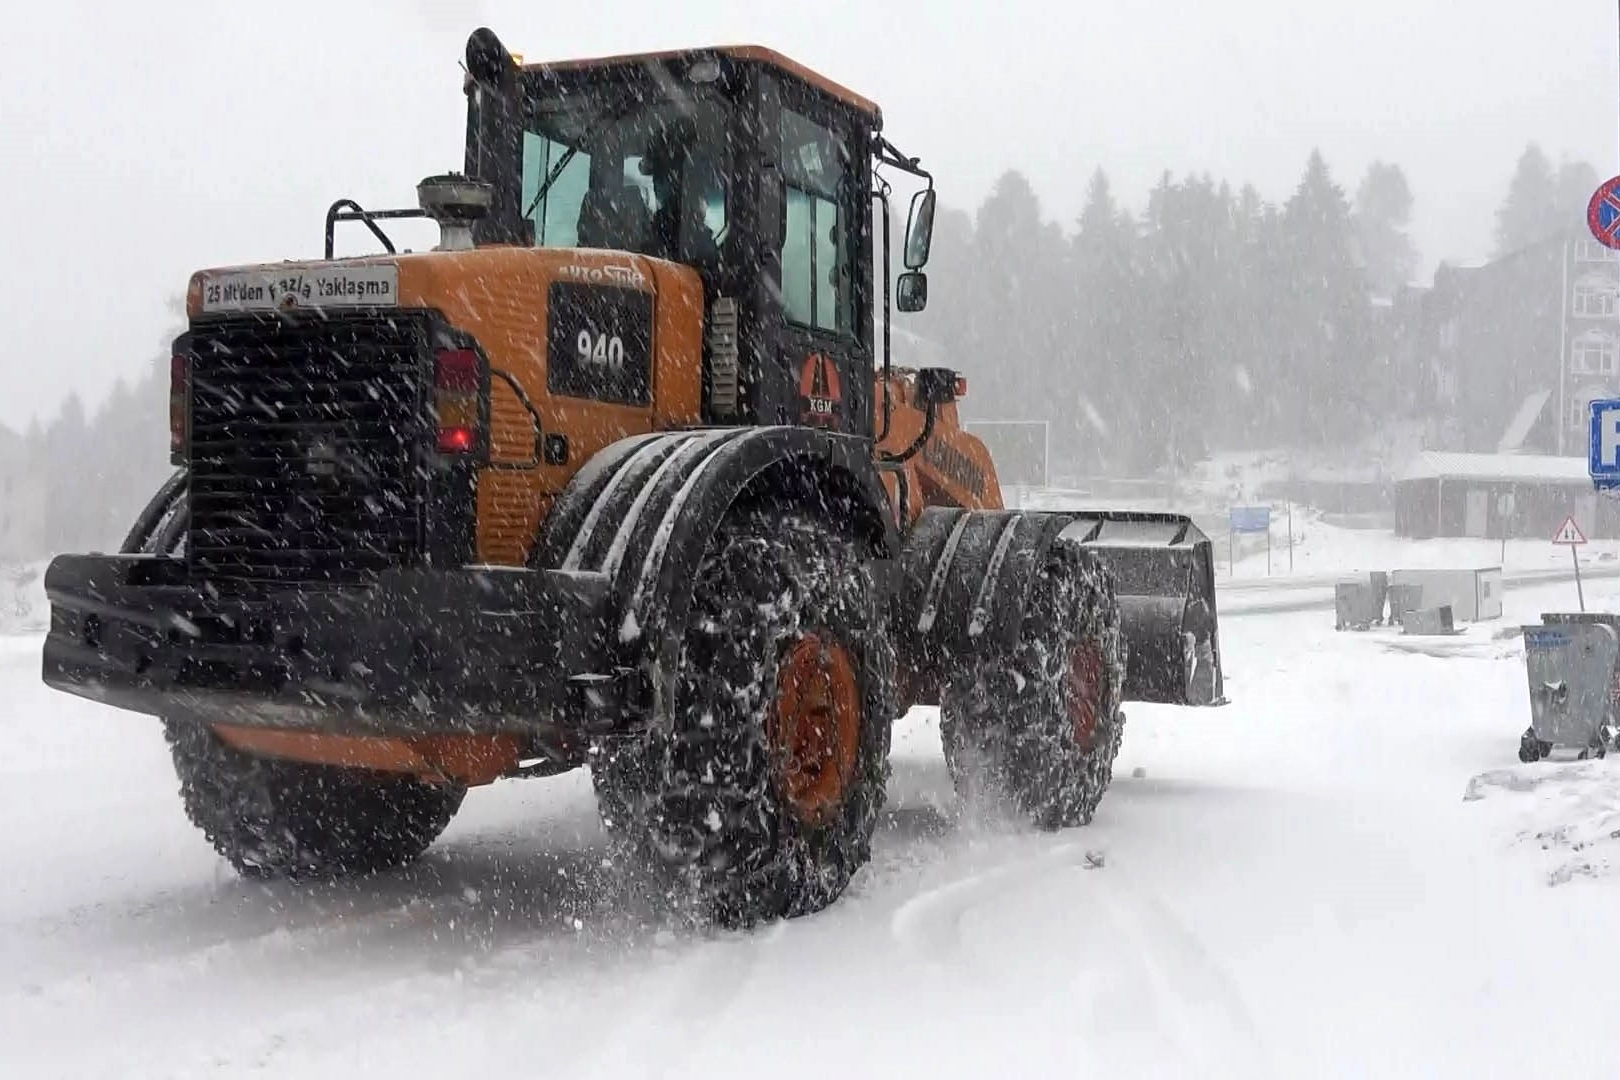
(1518, 347)
(1591, 336)
(1492, 495)
(22, 503)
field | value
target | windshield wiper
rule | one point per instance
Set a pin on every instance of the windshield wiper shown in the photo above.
(602, 121)
(551, 178)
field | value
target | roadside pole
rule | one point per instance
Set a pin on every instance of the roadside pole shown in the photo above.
(1290, 536)
(1580, 594)
(1504, 517)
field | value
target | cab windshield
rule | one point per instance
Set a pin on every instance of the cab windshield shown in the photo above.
(632, 175)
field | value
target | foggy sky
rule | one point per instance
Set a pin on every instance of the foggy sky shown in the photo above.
(145, 141)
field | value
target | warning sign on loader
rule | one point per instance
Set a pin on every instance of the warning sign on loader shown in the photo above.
(818, 390)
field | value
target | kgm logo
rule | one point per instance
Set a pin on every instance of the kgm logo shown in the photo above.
(818, 390)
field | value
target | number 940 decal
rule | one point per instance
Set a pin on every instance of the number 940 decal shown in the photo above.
(602, 350)
(599, 341)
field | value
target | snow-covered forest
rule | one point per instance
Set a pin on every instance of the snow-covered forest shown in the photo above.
(1214, 318)
(101, 464)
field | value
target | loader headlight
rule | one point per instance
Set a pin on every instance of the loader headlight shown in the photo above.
(703, 71)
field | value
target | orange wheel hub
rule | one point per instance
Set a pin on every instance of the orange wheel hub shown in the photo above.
(1086, 685)
(815, 729)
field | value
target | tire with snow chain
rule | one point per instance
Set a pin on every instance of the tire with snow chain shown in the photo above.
(619, 776)
(755, 796)
(1037, 728)
(273, 818)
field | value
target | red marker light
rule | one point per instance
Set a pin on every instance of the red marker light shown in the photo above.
(456, 440)
(179, 394)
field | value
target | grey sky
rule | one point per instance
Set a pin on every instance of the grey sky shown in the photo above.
(145, 140)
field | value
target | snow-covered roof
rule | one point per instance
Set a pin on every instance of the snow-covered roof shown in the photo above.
(1546, 468)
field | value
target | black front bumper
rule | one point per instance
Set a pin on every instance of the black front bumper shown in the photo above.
(417, 652)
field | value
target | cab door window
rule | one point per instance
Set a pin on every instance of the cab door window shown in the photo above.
(556, 214)
(817, 276)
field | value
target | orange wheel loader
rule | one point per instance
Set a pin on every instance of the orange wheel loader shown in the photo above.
(614, 476)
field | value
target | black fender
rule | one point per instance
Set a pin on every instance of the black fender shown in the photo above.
(962, 586)
(158, 520)
(643, 511)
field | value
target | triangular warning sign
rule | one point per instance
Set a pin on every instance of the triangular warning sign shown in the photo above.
(1569, 532)
(818, 390)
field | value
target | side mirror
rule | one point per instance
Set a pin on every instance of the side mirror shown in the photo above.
(911, 291)
(919, 230)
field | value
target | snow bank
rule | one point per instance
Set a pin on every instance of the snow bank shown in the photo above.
(1569, 812)
(23, 609)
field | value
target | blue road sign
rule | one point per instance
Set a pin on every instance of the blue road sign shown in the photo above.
(1603, 213)
(1603, 448)
(1250, 519)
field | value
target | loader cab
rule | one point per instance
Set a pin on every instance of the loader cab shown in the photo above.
(752, 170)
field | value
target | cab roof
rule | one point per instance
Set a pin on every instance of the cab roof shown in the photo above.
(757, 54)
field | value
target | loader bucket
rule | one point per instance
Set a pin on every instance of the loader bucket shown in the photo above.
(1164, 574)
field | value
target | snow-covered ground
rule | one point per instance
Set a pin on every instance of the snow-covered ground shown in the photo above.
(1345, 872)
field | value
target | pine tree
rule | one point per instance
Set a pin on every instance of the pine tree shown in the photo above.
(1020, 271)
(1576, 182)
(1324, 388)
(1189, 241)
(1098, 432)
(1383, 212)
(1530, 213)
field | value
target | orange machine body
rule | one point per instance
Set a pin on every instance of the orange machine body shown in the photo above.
(951, 468)
(499, 296)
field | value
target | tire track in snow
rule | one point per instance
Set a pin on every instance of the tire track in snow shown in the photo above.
(469, 914)
(1210, 1016)
(1113, 949)
(929, 925)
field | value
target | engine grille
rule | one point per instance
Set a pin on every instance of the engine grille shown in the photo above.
(305, 446)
